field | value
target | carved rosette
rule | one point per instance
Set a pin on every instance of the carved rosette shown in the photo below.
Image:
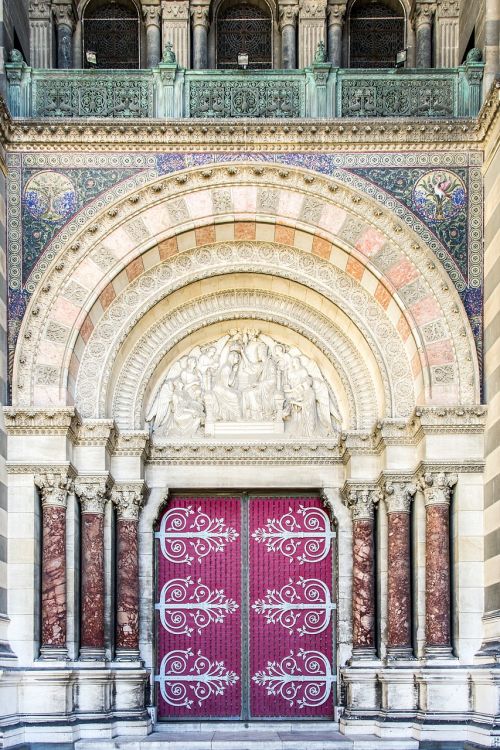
(54, 488)
(92, 493)
(437, 487)
(398, 496)
(128, 500)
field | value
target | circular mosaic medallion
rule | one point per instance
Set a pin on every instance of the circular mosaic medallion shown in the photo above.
(439, 195)
(50, 196)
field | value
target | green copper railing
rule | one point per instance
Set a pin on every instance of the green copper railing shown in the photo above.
(169, 91)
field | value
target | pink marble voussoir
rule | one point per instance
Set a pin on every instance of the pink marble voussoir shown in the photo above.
(370, 242)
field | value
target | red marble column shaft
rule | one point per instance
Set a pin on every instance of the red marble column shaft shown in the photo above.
(92, 616)
(437, 575)
(363, 573)
(53, 577)
(399, 581)
(127, 617)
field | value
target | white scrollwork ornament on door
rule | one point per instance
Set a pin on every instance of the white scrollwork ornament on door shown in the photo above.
(185, 677)
(185, 605)
(304, 679)
(304, 607)
(306, 542)
(179, 535)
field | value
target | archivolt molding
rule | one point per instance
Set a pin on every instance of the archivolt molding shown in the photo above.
(137, 370)
(248, 257)
(179, 203)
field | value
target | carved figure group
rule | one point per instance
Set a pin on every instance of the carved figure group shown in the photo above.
(244, 377)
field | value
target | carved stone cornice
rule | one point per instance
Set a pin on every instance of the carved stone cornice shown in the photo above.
(305, 452)
(20, 467)
(97, 432)
(437, 487)
(93, 490)
(172, 10)
(361, 499)
(199, 15)
(336, 14)
(128, 498)
(397, 431)
(54, 487)
(54, 421)
(151, 15)
(398, 495)
(451, 419)
(361, 442)
(133, 443)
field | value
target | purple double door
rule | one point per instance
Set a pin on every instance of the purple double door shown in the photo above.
(245, 608)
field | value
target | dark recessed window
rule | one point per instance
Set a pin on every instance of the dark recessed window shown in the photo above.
(244, 28)
(376, 33)
(111, 30)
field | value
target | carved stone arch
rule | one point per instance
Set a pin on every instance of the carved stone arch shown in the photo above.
(143, 368)
(319, 216)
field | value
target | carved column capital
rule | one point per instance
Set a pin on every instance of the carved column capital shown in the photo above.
(288, 15)
(92, 492)
(64, 15)
(437, 487)
(362, 501)
(54, 488)
(423, 14)
(199, 15)
(398, 496)
(151, 15)
(128, 499)
(336, 14)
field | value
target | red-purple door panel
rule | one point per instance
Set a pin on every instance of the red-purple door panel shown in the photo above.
(198, 608)
(291, 608)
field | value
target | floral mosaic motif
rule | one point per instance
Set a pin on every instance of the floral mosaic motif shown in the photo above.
(304, 607)
(305, 542)
(304, 679)
(50, 196)
(439, 195)
(184, 531)
(185, 605)
(186, 677)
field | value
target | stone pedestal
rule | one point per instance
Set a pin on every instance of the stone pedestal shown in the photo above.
(437, 490)
(92, 495)
(54, 490)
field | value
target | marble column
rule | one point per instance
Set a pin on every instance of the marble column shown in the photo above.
(362, 503)
(65, 24)
(398, 498)
(288, 22)
(335, 25)
(54, 489)
(437, 489)
(128, 500)
(92, 492)
(423, 17)
(199, 22)
(152, 18)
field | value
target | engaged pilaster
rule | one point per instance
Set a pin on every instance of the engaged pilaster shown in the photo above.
(398, 498)
(362, 503)
(199, 23)
(175, 28)
(336, 13)
(152, 19)
(312, 27)
(128, 499)
(288, 22)
(54, 488)
(92, 492)
(437, 489)
(40, 33)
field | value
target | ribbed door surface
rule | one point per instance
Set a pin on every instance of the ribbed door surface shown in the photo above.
(245, 608)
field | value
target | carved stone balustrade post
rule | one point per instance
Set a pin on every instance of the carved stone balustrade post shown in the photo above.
(128, 499)
(288, 22)
(398, 499)
(92, 493)
(152, 17)
(199, 22)
(423, 18)
(312, 29)
(335, 25)
(65, 24)
(437, 489)
(362, 502)
(54, 488)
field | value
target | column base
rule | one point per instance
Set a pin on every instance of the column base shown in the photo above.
(53, 653)
(400, 653)
(438, 653)
(88, 653)
(362, 654)
(127, 654)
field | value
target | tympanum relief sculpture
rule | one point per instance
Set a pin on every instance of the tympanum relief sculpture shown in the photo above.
(244, 383)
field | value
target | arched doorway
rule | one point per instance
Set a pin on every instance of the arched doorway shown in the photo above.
(376, 33)
(244, 28)
(111, 30)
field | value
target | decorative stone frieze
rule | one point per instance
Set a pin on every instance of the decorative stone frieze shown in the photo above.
(54, 421)
(439, 420)
(278, 452)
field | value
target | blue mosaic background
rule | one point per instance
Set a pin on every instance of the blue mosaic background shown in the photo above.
(438, 194)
